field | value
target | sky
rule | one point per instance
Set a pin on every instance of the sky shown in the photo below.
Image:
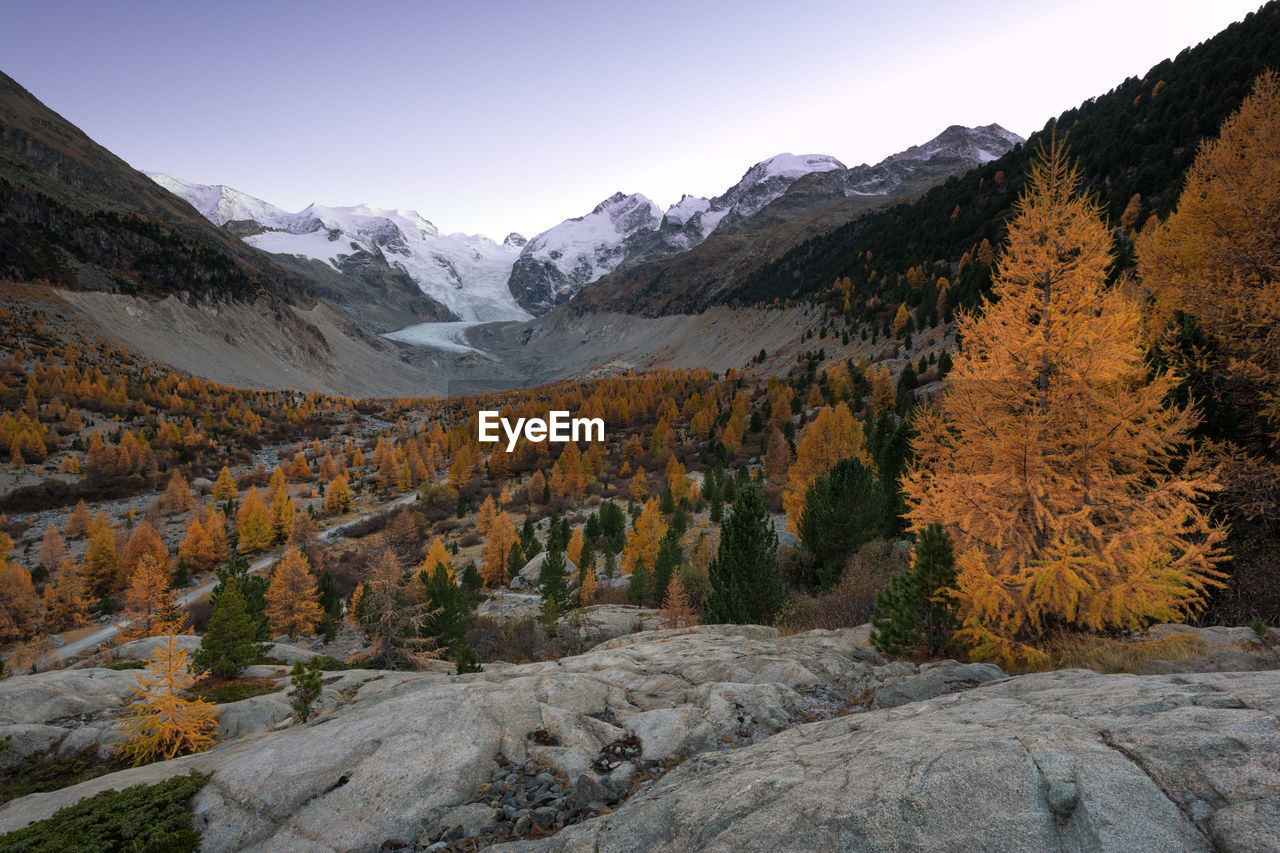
(491, 117)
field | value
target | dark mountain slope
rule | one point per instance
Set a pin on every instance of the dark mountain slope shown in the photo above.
(1137, 139)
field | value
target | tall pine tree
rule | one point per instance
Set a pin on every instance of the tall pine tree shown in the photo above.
(746, 584)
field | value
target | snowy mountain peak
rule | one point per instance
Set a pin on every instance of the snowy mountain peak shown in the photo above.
(221, 204)
(515, 241)
(981, 144)
(794, 165)
(465, 273)
(560, 261)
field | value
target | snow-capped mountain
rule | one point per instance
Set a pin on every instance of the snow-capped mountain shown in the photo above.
(562, 260)
(625, 230)
(474, 279)
(467, 274)
(842, 193)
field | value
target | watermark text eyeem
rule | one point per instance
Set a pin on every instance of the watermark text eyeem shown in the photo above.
(557, 426)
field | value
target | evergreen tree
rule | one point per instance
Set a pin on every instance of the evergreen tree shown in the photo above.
(448, 608)
(230, 644)
(746, 585)
(916, 604)
(515, 560)
(554, 587)
(664, 566)
(638, 586)
(253, 588)
(330, 599)
(471, 579)
(307, 685)
(843, 510)
(465, 660)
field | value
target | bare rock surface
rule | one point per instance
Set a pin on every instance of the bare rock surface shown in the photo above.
(1069, 760)
(811, 741)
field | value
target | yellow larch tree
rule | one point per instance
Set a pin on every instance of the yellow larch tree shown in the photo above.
(587, 591)
(144, 542)
(831, 436)
(282, 513)
(149, 610)
(502, 535)
(18, 603)
(644, 540)
(677, 480)
(177, 495)
(1053, 460)
(225, 488)
(253, 524)
(437, 555)
(1217, 259)
(573, 550)
(196, 549)
(337, 500)
(677, 612)
(101, 557)
(485, 515)
(65, 606)
(639, 488)
(293, 605)
(162, 724)
(79, 522)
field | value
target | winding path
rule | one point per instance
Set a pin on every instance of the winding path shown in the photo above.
(106, 632)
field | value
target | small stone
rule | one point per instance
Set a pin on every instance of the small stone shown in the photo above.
(546, 816)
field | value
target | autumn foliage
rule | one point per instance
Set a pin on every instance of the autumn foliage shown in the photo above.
(1050, 459)
(162, 724)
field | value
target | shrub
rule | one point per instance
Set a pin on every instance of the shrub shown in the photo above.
(143, 817)
(851, 602)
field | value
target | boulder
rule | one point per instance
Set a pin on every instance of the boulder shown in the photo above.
(1222, 649)
(48, 697)
(601, 622)
(531, 575)
(145, 648)
(24, 739)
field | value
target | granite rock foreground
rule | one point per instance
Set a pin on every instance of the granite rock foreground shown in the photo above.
(810, 742)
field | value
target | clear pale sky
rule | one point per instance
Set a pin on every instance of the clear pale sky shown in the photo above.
(491, 117)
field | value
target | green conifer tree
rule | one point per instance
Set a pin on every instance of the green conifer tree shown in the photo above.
(843, 510)
(554, 586)
(916, 607)
(746, 584)
(231, 644)
(307, 684)
(638, 586)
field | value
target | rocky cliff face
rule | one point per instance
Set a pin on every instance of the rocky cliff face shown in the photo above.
(716, 738)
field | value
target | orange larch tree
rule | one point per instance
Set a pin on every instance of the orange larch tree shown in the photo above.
(293, 604)
(253, 524)
(644, 540)
(1217, 259)
(1053, 460)
(831, 436)
(502, 535)
(148, 602)
(162, 724)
